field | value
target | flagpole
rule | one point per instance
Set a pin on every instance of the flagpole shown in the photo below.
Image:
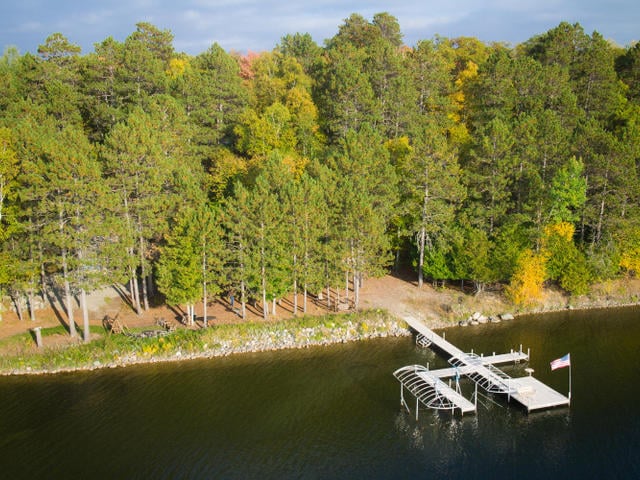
(569, 379)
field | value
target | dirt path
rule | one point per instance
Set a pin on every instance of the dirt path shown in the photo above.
(438, 307)
(397, 294)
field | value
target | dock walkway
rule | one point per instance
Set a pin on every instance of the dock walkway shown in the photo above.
(528, 391)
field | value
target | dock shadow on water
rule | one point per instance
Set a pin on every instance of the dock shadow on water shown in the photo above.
(333, 412)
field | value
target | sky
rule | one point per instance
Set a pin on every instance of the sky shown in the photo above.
(257, 25)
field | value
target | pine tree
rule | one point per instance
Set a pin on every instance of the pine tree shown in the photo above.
(141, 173)
(180, 276)
(366, 195)
(430, 180)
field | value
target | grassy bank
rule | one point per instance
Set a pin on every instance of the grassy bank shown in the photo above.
(109, 351)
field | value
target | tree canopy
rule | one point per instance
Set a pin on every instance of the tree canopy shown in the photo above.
(302, 169)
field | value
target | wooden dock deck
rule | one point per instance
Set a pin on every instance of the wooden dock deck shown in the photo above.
(528, 391)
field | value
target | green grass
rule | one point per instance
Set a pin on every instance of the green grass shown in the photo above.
(119, 349)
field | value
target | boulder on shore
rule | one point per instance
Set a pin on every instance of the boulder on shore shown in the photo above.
(507, 316)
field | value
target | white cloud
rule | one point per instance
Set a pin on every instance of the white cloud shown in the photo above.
(259, 24)
(28, 27)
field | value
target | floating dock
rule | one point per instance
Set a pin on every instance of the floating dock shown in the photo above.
(428, 387)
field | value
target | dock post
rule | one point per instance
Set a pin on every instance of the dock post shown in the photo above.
(476, 395)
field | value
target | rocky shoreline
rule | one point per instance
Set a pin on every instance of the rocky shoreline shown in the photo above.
(268, 339)
(281, 336)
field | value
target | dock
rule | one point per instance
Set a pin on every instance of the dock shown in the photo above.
(430, 390)
(428, 387)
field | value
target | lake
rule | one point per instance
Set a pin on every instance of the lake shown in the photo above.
(334, 412)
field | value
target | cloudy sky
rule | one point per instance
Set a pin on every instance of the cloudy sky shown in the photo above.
(259, 24)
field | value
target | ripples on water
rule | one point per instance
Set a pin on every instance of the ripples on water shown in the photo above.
(334, 413)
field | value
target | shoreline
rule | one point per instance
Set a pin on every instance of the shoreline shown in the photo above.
(228, 340)
(204, 355)
(237, 339)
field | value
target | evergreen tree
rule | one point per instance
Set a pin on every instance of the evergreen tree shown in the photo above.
(141, 173)
(628, 68)
(103, 87)
(179, 273)
(430, 180)
(366, 196)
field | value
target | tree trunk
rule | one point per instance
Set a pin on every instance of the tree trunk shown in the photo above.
(304, 299)
(18, 304)
(135, 295)
(295, 297)
(151, 286)
(295, 285)
(356, 290)
(598, 236)
(328, 298)
(243, 300)
(273, 309)
(204, 285)
(265, 306)
(32, 307)
(43, 279)
(133, 283)
(421, 242)
(85, 316)
(67, 295)
(145, 297)
(346, 285)
(263, 276)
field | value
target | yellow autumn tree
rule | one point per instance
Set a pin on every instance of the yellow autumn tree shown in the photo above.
(177, 67)
(563, 230)
(630, 251)
(526, 283)
(458, 131)
(565, 263)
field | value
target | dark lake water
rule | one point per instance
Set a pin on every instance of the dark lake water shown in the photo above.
(334, 412)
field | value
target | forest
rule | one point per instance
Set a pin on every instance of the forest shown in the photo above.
(311, 167)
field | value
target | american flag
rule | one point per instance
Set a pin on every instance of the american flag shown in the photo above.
(561, 362)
